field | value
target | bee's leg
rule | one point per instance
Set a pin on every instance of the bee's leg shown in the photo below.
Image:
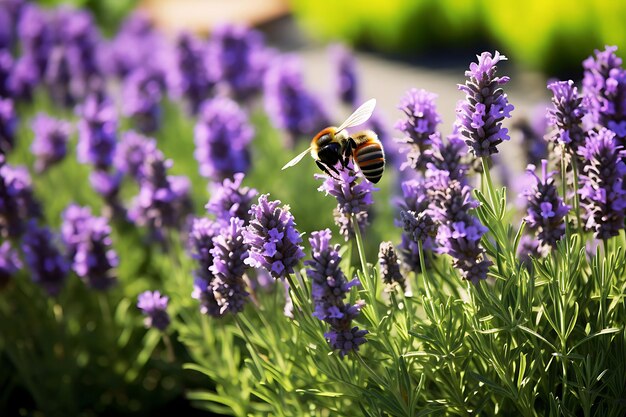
(347, 152)
(326, 168)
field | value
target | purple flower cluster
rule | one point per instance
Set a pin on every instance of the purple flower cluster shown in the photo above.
(141, 97)
(50, 143)
(347, 82)
(566, 115)
(17, 203)
(329, 288)
(480, 116)
(222, 135)
(237, 59)
(154, 306)
(603, 191)
(9, 263)
(420, 122)
(8, 125)
(448, 156)
(353, 198)
(97, 132)
(201, 246)
(88, 242)
(190, 78)
(230, 199)
(229, 254)
(459, 232)
(47, 265)
(546, 210)
(604, 88)
(273, 238)
(131, 152)
(163, 200)
(390, 266)
(289, 104)
(532, 131)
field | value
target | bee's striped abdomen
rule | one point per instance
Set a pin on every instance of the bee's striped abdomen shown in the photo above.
(369, 156)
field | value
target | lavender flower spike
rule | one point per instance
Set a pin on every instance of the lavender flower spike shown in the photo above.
(17, 203)
(229, 254)
(546, 210)
(603, 194)
(97, 132)
(154, 306)
(329, 289)
(47, 265)
(273, 238)
(201, 246)
(131, 152)
(222, 135)
(480, 116)
(347, 80)
(50, 143)
(230, 199)
(390, 266)
(566, 115)
(8, 125)
(9, 263)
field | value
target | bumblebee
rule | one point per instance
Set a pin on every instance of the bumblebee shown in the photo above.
(334, 145)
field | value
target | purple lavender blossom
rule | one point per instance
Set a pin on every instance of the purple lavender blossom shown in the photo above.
(530, 246)
(8, 125)
(390, 267)
(230, 199)
(190, 78)
(163, 200)
(24, 78)
(108, 184)
(9, 263)
(203, 292)
(36, 35)
(329, 288)
(17, 203)
(289, 104)
(459, 232)
(97, 130)
(480, 116)
(604, 88)
(131, 152)
(566, 115)
(237, 59)
(353, 198)
(47, 265)
(6, 65)
(229, 255)
(154, 306)
(273, 238)
(74, 227)
(546, 210)
(50, 143)
(532, 131)
(420, 123)
(94, 259)
(142, 92)
(201, 246)
(603, 191)
(418, 226)
(222, 135)
(346, 75)
(448, 156)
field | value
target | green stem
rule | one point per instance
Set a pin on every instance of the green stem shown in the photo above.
(368, 282)
(420, 250)
(359, 245)
(490, 188)
(579, 223)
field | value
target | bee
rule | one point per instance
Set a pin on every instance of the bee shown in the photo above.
(334, 145)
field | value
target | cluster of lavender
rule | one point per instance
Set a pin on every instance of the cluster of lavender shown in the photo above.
(329, 288)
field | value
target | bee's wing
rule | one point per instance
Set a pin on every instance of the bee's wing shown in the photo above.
(297, 158)
(360, 115)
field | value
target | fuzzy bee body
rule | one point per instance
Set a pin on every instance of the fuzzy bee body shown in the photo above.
(334, 145)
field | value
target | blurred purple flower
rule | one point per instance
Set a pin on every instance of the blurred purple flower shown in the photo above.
(448, 156)
(546, 211)
(480, 116)
(47, 265)
(154, 306)
(24, 78)
(273, 238)
(6, 66)
(530, 246)
(8, 125)
(108, 184)
(17, 203)
(604, 89)
(229, 199)
(74, 226)
(36, 35)
(10, 263)
(97, 132)
(190, 78)
(222, 135)
(289, 104)
(420, 123)
(131, 152)
(141, 97)
(566, 115)
(346, 75)
(201, 247)
(603, 191)
(329, 288)
(532, 131)
(50, 143)
(229, 255)
(237, 59)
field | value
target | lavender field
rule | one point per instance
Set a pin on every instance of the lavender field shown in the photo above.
(156, 260)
